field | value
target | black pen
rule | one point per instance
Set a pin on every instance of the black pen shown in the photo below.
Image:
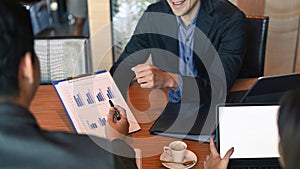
(117, 113)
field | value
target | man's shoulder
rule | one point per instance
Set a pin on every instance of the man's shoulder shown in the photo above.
(225, 9)
(77, 138)
(90, 141)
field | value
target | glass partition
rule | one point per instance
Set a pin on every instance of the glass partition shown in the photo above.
(61, 33)
(125, 14)
(62, 57)
(53, 18)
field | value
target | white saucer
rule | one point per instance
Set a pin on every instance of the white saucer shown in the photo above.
(189, 155)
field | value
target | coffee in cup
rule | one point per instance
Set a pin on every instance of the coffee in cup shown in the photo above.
(176, 150)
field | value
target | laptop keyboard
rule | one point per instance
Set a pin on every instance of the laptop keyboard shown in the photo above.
(258, 167)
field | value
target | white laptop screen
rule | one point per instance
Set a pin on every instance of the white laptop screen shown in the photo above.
(251, 130)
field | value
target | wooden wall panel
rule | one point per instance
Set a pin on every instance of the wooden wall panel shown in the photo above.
(297, 59)
(252, 7)
(99, 14)
(100, 33)
(283, 35)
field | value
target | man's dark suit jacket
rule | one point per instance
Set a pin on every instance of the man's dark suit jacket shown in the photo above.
(219, 43)
(24, 145)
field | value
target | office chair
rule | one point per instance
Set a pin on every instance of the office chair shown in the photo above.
(254, 59)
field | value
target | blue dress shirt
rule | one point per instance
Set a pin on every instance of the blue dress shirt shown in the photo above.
(186, 61)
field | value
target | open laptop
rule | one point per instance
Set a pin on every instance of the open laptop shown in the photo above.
(268, 89)
(252, 131)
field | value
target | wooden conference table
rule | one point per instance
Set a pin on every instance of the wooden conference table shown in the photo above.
(146, 105)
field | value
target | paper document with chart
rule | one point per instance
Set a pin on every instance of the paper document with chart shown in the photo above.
(86, 101)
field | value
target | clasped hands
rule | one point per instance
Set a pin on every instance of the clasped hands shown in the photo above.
(149, 76)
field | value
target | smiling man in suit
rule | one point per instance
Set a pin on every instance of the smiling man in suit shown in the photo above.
(196, 49)
(189, 41)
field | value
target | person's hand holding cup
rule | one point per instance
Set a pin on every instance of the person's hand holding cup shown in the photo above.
(176, 150)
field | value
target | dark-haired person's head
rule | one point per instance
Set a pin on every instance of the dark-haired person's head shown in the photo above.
(289, 129)
(19, 67)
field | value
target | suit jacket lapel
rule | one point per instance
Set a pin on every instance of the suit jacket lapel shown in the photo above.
(201, 41)
(205, 20)
(167, 41)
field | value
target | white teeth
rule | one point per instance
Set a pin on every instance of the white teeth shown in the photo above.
(178, 3)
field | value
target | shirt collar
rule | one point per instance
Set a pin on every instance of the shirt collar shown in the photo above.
(193, 21)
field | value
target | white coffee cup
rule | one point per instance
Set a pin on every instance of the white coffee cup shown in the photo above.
(176, 150)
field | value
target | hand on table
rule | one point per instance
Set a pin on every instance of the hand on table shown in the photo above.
(149, 76)
(214, 161)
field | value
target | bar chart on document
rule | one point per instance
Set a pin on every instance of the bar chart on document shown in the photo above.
(87, 102)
